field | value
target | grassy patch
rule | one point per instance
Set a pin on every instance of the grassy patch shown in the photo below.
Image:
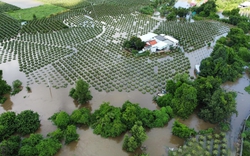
(247, 89)
(40, 12)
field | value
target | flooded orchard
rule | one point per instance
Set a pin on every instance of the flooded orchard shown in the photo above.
(46, 101)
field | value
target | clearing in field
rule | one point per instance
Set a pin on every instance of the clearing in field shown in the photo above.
(40, 12)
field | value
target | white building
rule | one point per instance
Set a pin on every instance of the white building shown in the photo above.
(156, 42)
(147, 37)
(175, 41)
(244, 5)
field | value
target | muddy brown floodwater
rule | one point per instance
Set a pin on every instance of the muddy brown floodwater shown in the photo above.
(47, 101)
(243, 108)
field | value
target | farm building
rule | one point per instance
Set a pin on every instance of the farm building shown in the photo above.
(156, 42)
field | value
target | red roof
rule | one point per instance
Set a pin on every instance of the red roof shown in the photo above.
(153, 42)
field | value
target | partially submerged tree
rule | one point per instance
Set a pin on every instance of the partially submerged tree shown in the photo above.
(81, 92)
(221, 107)
(60, 119)
(27, 122)
(138, 136)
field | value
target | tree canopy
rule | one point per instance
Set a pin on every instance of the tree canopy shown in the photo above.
(81, 92)
(106, 121)
(138, 135)
(223, 63)
(221, 107)
(60, 119)
(182, 130)
(135, 43)
(4, 88)
(27, 122)
(8, 124)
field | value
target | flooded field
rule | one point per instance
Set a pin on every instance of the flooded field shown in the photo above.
(58, 59)
(46, 101)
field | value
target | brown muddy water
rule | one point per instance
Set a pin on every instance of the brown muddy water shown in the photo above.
(243, 108)
(47, 101)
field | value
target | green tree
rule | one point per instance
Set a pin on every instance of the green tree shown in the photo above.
(4, 89)
(81, 93)
(160, 117)
(148, 10)
(28, 145)
(184, 101)
(106, 121)
(221, 107)
(10, 147)
(164, 100)
(48, 147)
(129, 144)
(8, 124)
(205, 87)
(27, 122)
(138, 135)
(81, 116)
(171, 16)
(146, 117)
(244, 26)
(223, 63)
(182, 130)
(56, 135)
(60, 119)
(244, 53)
(70, 134)
(130, 113)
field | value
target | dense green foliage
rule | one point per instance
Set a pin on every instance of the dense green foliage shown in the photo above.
(110, 121)
(24, 123)
(4, 89)
(182, 130)
(207, 9)
(134, 44)
(106, 121)
(8, 124)
(10, 146)
(184, 101)
(60, 119)
(206, 86)
(48, 147)
(17, 87)
(223, 63)
(221, 106)
(148, 10)
(246, 136)
(181, 96)
(80, 116)
(70, 134)
(5, 7)
(29, 144)
(56, 135)
(81, 92)
(138, 135)
(27, 122)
